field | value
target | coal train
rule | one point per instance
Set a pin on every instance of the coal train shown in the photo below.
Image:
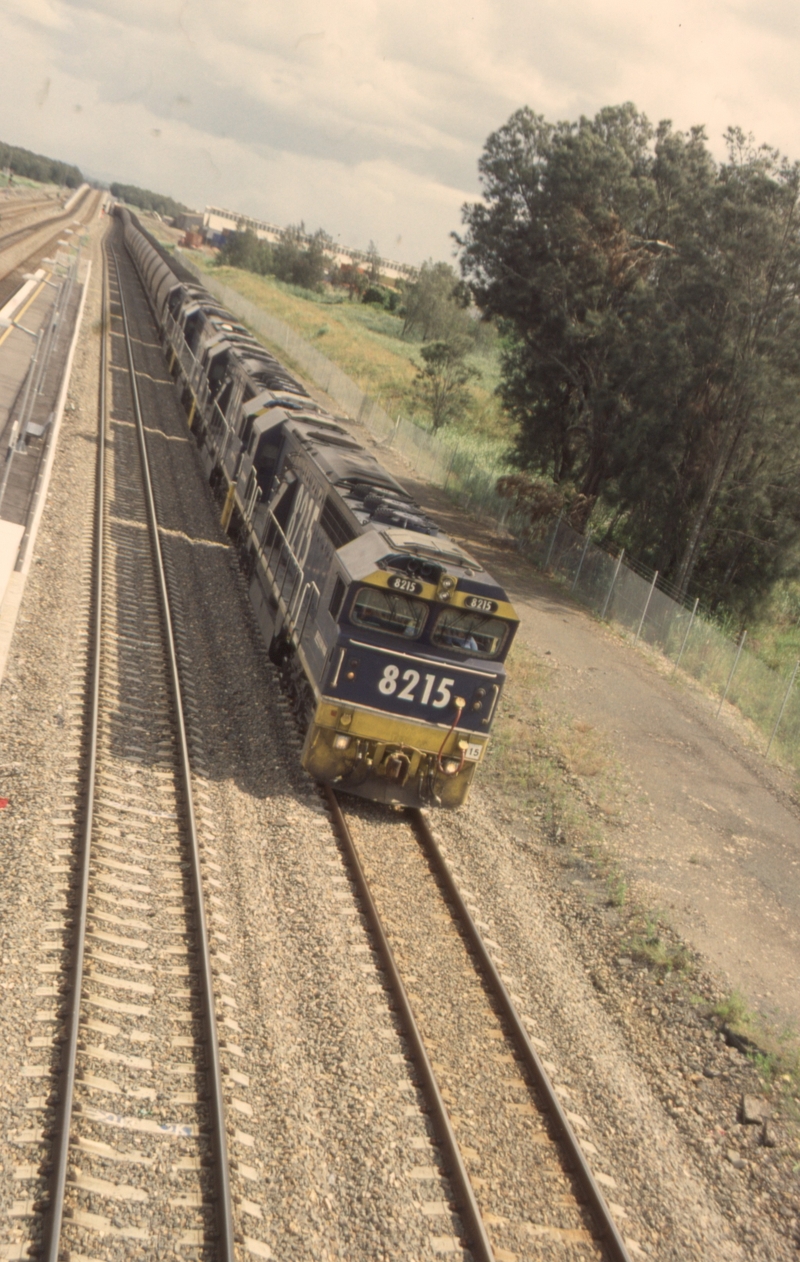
(391, 637)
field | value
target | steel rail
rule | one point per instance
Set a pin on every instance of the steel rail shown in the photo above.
(480, 1245)
(61, 217)
(223, 1198)
(608, 1233)
(55, 1212)
(7, 240)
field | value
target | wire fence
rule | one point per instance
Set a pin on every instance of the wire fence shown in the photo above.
(615, 587)
(635, 599)
(467, 464)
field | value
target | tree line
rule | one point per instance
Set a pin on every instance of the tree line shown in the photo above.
(145, 199)
(294, 259)
(35, 166)
(432, 308)
(649, 301)
(305, 260)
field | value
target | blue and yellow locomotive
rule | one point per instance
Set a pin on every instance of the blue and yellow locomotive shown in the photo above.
(391, 637)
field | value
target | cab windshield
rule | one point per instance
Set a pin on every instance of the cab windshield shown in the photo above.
(471, 633)
(389, 611)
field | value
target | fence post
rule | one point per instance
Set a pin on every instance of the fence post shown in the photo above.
(580, 565)
(553, 540)
(733, 668)
(465, 475)
(646, 607)
(686, 637)
(613, 581)
(416, 457)
(17, 427)
(783, 707)
(452, 462)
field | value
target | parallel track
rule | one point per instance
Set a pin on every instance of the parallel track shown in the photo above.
(532, 1155)
(7, 239)
(138, 924)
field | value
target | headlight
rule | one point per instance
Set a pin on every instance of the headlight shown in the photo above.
(340, 741)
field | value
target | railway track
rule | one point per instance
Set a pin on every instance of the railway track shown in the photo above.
(522, 1184)
(139, 1161)
(9, 211)
(59, 222)
(138, 1150)
(521, 1180)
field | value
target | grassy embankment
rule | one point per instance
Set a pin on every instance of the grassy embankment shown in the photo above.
(22, 181)
(366, 342)
(776, 634)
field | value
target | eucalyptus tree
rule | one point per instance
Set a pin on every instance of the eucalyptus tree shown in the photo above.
(733, 430)
(560, 251)
(649, 299)
(434, 307)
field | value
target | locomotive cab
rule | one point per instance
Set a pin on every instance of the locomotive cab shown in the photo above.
(418, 635)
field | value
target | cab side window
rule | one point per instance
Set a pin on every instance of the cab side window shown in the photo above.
(389, 611)
(470, 633)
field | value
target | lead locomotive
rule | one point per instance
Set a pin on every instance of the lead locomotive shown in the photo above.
(391, 637)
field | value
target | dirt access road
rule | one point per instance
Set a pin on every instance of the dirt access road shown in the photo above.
(711, 837)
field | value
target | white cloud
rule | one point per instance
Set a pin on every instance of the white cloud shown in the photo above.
(369, 117)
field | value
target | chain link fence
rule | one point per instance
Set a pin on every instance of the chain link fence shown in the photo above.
(614, 587)
(617, 589)
(466, 464)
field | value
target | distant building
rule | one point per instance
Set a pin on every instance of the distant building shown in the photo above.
(189, 221)
(218, 222)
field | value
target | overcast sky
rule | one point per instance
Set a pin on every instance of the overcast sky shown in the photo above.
(368, 117)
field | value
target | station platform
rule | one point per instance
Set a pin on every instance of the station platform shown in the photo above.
(35, 327)
(39, 324)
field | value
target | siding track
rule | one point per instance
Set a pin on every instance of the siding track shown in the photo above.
(522, 1183)
(139, 1148)
(42, 218)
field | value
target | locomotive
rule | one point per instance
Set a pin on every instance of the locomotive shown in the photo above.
(391, 637)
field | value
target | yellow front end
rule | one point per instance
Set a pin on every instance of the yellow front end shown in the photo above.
(390, 759)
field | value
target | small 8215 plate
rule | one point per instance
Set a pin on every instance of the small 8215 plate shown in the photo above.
(481, 603)
(408, 585)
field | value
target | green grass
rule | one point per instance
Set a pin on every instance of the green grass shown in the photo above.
(650, 944)
(617, 888)
(775, 1053)
(775, 635)
(366, 342)
(22, 181)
